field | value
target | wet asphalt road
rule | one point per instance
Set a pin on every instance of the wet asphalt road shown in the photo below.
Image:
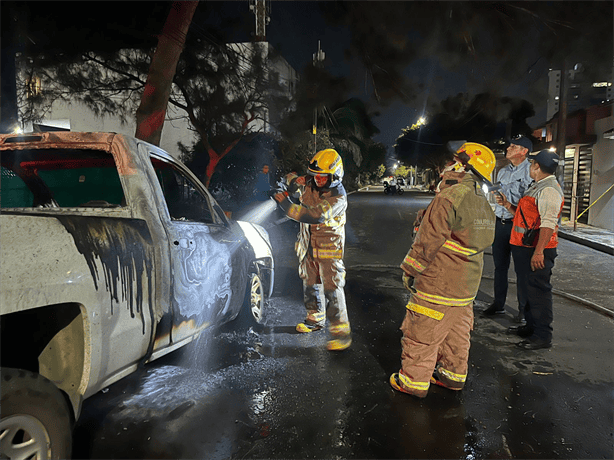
(273, 393)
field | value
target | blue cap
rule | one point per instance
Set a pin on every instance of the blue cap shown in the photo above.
(522, 141)
(547, 159)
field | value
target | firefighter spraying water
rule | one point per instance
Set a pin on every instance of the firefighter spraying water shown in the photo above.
(321, 208)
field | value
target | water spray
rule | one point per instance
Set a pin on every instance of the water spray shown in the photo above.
(260, 213)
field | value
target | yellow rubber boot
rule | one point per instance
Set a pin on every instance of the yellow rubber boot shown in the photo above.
(306, 328)
(341, 338)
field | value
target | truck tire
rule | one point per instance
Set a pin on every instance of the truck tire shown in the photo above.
(33, 409)
(253, 310)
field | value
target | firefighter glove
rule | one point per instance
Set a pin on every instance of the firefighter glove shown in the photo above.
(408, 282)
(281, 196)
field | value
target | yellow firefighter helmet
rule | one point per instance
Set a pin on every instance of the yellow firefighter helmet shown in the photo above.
(327, 161)
(479, 157)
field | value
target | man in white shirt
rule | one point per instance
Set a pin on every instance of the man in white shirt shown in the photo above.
(537, 214)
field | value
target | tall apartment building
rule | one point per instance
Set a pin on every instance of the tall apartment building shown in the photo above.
(581, 93)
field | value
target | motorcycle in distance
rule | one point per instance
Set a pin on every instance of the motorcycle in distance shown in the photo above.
(394, 187)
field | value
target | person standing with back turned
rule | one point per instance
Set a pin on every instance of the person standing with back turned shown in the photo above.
(514, 180)
(446, 260)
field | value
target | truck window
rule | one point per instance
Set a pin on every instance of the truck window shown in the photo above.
(59, 178)
(183, 199)
(15, 193)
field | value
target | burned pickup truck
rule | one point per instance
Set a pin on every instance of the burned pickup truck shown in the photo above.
(113, 255)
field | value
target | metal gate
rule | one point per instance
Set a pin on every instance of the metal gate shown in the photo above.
(583, 192)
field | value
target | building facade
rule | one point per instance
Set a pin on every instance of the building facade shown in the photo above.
(588, 171)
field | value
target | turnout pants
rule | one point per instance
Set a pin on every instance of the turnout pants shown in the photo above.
(330, 274)
(435, 336)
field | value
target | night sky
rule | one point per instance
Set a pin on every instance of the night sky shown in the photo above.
(422, 42)
(296, 27)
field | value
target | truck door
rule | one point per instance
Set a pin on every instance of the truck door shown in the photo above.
(209, 261)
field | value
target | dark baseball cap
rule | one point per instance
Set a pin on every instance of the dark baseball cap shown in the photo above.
(547, 159)
(522, 141)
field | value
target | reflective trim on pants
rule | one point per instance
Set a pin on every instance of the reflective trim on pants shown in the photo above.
(409, 383)
(425, 311)
(448, 301)
(452, 376)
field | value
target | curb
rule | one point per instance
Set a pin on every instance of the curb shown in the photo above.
(585, 242)
(587, 303)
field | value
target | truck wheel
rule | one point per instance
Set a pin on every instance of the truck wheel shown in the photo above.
(253, 309)
(35, 419)
(256, 298)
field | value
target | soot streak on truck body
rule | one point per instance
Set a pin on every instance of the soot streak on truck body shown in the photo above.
(125, 250)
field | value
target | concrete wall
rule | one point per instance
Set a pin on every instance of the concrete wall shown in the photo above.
(78, 117)
(601, 214)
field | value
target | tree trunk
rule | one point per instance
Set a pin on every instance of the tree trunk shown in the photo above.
(152, 110)
(9, 119)
(214, 157)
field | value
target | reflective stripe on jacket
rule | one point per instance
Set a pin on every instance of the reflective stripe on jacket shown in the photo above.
(446, 258)
(528, 204)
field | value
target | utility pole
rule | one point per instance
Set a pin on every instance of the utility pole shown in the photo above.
(561, 131)
(318, 61)
(262, 11)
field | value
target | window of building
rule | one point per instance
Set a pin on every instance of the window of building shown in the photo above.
(33, 87)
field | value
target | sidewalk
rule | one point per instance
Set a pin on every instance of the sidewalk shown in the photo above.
(594, 237)
(582, 271)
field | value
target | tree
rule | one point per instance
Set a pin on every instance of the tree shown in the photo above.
(485, 119)
(403, 171)
(348, 128)
(35, 29)
(492, 44)
(220, 89)
(154, 100)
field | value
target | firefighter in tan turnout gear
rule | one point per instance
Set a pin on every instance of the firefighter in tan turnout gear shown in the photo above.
(320, 245)
(442, 270)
